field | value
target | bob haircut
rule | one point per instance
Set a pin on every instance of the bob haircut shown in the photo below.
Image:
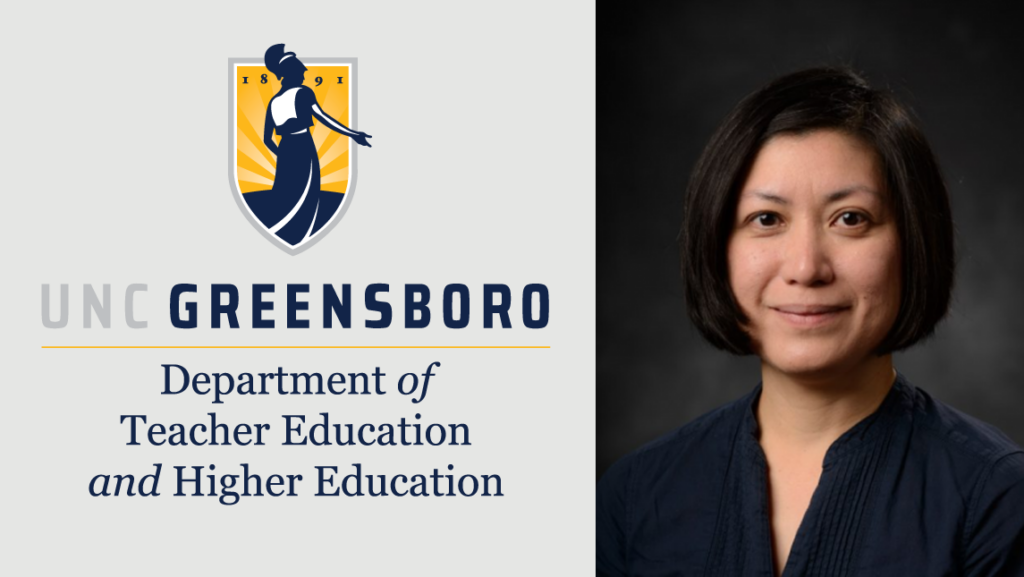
(819, 99)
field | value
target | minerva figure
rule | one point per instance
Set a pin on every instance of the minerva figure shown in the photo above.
(295, 209)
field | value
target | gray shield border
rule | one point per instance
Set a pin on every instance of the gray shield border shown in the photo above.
(353, 152)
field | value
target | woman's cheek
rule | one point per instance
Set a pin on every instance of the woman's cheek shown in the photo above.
(755, 274)
(748, 283)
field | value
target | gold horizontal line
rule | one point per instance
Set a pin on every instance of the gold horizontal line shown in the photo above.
(285, 347)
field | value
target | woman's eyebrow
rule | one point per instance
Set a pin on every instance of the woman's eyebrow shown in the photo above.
(829, 199)
(769, 196)
(845, 192)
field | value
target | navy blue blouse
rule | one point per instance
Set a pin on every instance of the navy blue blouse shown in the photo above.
(915, 489)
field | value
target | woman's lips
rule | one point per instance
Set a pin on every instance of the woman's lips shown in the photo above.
(809, 316)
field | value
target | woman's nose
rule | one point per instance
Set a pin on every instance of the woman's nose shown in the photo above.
(806, 260)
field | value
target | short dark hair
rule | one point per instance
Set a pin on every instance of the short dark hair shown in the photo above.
(816, 99)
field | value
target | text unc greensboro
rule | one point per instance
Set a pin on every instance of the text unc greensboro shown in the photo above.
(491, 306)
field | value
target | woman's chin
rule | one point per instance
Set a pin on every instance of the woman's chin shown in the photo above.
(809, 362)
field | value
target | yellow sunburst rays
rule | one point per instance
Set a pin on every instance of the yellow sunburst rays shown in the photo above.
(256, 166)
(331, 147)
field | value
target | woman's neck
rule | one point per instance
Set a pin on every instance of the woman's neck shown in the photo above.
(811, 412)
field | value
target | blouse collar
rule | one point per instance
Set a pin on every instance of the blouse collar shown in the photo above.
(862, 436)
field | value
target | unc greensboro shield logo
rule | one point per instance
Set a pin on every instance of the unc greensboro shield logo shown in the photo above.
(292, 155)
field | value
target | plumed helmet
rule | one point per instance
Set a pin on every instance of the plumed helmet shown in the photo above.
(278, 61)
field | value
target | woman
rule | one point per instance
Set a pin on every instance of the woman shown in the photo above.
(291, 209)
(818, 236)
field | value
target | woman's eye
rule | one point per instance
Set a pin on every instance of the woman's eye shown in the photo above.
(766, 219)
(851, 219)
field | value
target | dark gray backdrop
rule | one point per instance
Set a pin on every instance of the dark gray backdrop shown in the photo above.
(667, 77)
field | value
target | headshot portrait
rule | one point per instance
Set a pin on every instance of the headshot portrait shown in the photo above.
(809, 360)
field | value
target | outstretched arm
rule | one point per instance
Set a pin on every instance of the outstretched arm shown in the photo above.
(268, 133)
(359, 137)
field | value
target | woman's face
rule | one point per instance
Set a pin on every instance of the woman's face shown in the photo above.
(814, 258)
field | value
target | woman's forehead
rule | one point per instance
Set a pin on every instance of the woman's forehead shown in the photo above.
(825, 165)
(839, 195)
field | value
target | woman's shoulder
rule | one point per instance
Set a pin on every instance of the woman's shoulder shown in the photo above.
(987, 468)
(677, 474)
(965, 438)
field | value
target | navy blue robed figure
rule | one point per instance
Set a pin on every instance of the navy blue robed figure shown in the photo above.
(295, 208)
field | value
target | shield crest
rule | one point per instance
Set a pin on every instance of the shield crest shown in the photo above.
(292, 173)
